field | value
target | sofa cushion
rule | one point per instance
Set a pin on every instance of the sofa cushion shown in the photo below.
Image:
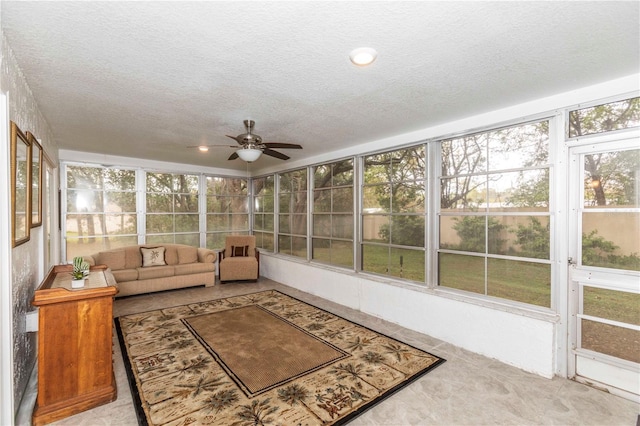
(133, 257)
(194, 268)
(125, 275)
(239, 251)
(156, 272)
(187, 255)
(171, 254)
(152, 256)
(114, 259)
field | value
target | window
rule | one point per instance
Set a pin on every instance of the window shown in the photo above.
(292, 213)
(494, 224)
(393, 213)
(263, 211)
(604, 118)
(100, 209)
(227, 209)
(172, 209)
(332, 216)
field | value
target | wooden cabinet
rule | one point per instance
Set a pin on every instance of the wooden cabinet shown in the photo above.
(75, 369)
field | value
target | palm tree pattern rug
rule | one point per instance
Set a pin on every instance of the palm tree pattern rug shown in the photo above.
(260, 359)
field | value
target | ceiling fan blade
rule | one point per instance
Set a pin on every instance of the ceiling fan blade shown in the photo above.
(275, 154)
(233, 156)
(282, 145)
(234, 138)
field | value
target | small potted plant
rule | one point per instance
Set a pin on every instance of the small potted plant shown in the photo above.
(80, 271)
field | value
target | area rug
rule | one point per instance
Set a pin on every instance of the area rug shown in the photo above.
(260, 359)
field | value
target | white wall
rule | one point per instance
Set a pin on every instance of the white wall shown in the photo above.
(25, 269)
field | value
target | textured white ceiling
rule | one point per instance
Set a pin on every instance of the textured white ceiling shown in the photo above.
(148, 79)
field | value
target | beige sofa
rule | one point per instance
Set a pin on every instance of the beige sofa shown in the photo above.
(185, 266)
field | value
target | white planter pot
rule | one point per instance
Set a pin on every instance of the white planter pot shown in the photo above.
(77, 283)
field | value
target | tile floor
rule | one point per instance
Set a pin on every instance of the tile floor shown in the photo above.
(468, 389)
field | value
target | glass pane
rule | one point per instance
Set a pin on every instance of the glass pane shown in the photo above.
(299, 224)
(188, 239)
(408, 264)
(342, 253)
(464, 155)
(376, 199)
(611, 340)
(519, 146)
(268, 222)
(120, 202)
(87, 246)
(321, 250)
(299, 202)
(524, 236)
(84, 177)
(264, 240)
(159, 203)
(321, 225)
(159, 223)
(375, 259)
(322, 201)
(529, 188)
(322, 176)
(343, 199)
(216, 241)
(605, 118)
(258, 221)
(159, 182)
(299, 246)
(284, 244)
(217, 222)
(610, 240)
(377, 168)
(284, 223)
(463, 194)
(464, 233)
(375, 228)
(408, 164)
(187, 223)
(343, 173)
(263, 185)
(87, 225)
(226, 186)
(84, 201)
(611, 179)
(614, 305)
(119, 180)
(185, 203)
(120, 224)
(407, 230)
(408, 197)
(240, 222)
(285, 203)
(461, 272)
(520, 281)
(342, 226)
(160, 239)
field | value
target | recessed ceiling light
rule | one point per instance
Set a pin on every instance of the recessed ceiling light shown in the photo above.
(203, 148)
(363, 56)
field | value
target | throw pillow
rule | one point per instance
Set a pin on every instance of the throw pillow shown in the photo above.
(152, 256)
(239, 251)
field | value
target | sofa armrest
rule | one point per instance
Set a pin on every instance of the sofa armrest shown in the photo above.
(90, 260)
(206, 255)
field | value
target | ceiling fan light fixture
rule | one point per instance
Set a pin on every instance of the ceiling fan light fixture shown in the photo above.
(203, 148)
(249, 154)
(363, 56)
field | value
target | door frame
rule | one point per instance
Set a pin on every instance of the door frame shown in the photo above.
(582, 359)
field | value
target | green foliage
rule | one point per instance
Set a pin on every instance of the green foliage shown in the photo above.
(80, 268)
(596, 251)
(533, 239)
(471, 230)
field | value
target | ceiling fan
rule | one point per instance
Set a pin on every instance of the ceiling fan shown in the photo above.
(252, 147)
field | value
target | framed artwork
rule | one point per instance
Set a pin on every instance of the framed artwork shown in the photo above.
(36, 181)
(21, 163)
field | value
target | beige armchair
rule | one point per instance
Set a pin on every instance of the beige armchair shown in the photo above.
(240, 261)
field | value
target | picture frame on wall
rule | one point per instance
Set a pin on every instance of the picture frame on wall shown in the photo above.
(36, 180)
(21, 163)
